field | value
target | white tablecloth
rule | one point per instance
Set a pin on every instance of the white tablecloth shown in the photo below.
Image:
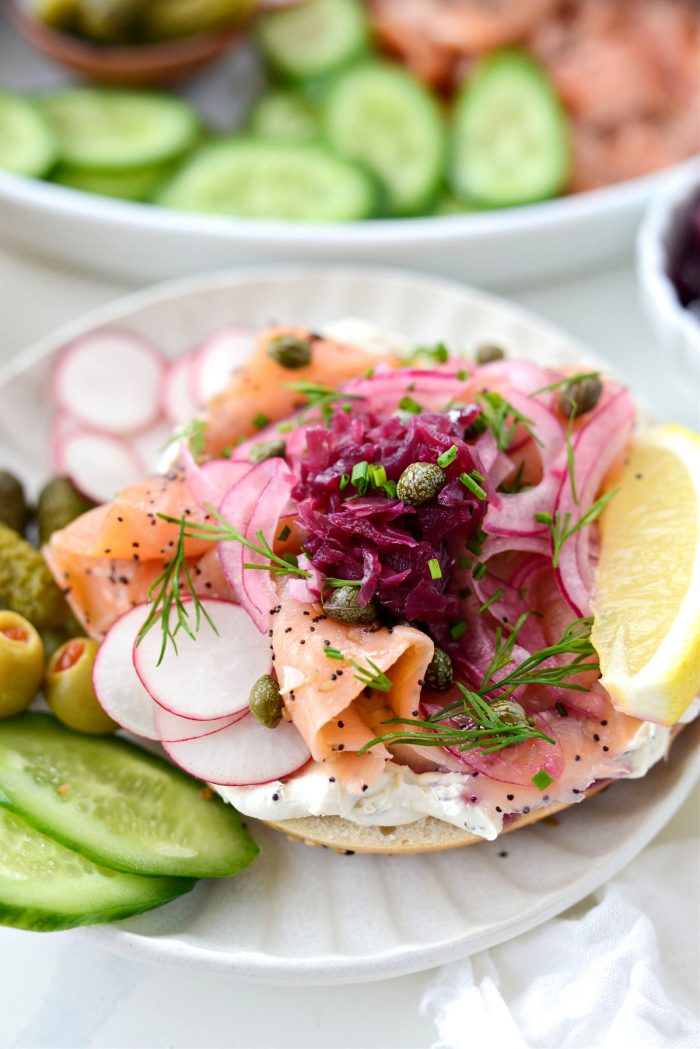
(60, 990)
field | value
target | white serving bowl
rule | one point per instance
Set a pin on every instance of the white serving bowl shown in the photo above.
(676, 328)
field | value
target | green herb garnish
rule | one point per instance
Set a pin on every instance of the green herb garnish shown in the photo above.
(194, 434)
(435, 570)
(469, 481)
(333, 653)
(438, 353)
(373, 677)
(492, 600)
(458, 629)
(407, 404)
(561, 527)
(500, 417)
(447, 457)
(565, 382)
(542, 779)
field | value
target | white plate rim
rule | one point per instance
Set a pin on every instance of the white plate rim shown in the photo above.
(339, 969)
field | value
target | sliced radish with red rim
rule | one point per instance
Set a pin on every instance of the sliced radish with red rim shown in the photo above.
(247, 753)
(178, 394)
(123, 697)
(98, 464)
(218, 357)
(210, 675)
(110, 380)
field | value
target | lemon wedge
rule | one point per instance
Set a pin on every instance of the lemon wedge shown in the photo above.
(647, 600)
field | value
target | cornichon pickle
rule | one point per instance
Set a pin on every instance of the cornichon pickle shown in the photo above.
(165, 19)
(109, 21)
(13, 505)
(59, 504)
(21, 663)
(26, 585)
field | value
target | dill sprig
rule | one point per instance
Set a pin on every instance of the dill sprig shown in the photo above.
(568, 379)
(371, 676)
(320, 398)
(165, 598)
(194, 434)
(500, 417)
(483, 727)
(562, 528)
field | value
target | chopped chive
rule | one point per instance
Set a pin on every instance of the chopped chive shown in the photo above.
(369, 374)
(390, 488)
(284, 534)
(569, 379)
(333, 653)
(286, 427)
(344, 482)
(378, 476)
(347, 407)
(479, 571)
(492, 600)
(359, 472)
(542, 779)
(462, 375)
(458, 629)
(477, 476)
(260, 421)
(435, 570)
(464, 561)
(448, 457)
(469, 482)
(475, 543)
(562, 711)
(407, 404)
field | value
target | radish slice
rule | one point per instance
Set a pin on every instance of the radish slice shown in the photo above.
(244, 754)
(110, 380)
(598, 446)
(124, 698)
(151, 444)
(98, 464)
(211, 675)
(210, 482)
(179, 400)
(218, 357)
(254, 505)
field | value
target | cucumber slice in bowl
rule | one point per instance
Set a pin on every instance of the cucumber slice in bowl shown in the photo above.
(380, 116)
(44, 886)
(285, 116)
(139, 184)
(27, 144)
(109, 130)
(116, 804)
(315, 38)
(510, 140)
(252, 178)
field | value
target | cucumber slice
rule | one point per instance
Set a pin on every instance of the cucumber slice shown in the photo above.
(111, 131)
(315, 38)
(27, 144)
(380, 116)
(44, 886)
(252, 178)
(286, 116)
(117, 804)
(510, 134)
(139, 185)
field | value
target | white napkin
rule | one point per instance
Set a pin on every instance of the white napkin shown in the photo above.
(598, 977)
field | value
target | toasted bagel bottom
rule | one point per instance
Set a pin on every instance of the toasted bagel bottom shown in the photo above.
(423, 835)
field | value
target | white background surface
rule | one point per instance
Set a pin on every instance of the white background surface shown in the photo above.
(59, 990)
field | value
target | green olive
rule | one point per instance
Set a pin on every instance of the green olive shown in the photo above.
(59, 504)
(265, 701)
(21, 663)
(290, 351)
(577, 398)
(13, 505)
(343, 604)
(419, 483)
(488, 354)
(68, 688)
(273, 449)
(440, 673)
(510, 712)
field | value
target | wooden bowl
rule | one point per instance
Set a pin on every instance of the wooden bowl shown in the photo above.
(124, 65)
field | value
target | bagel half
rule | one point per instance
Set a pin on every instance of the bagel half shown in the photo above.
(423, 835)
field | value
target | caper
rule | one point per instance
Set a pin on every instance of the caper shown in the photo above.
(510, 712)
(439, 674)
(290, 351)
(488, 354)
(265, 701)
(577, 398)
(59, 504)
(344, 605)
(69, 690)
(274, 449)
(419, 483)
(21, 663)
(13, 505)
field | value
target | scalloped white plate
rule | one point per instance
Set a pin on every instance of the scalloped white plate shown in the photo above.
(301, 915)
